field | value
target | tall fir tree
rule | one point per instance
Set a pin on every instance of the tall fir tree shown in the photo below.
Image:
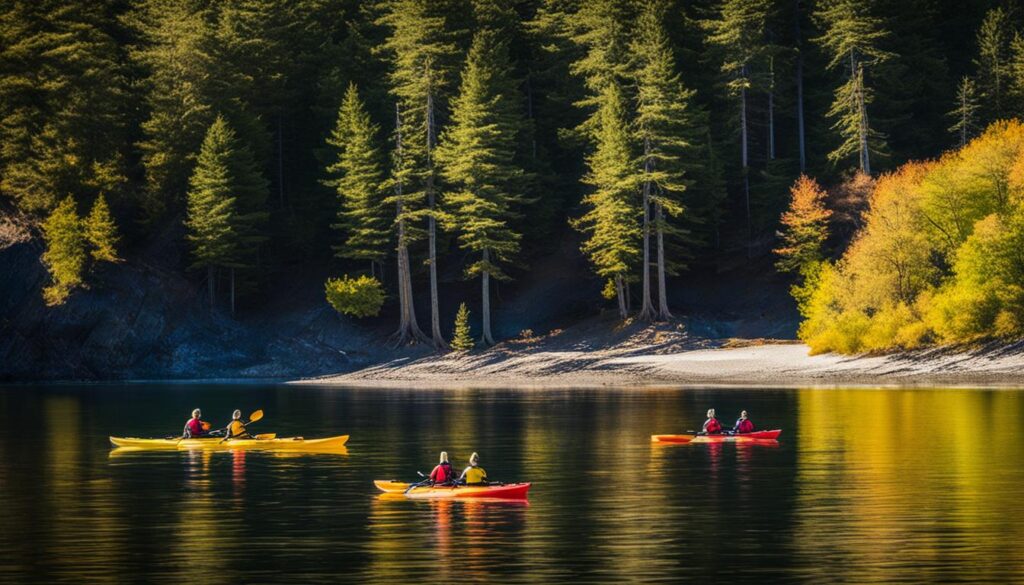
(65, 254)
(611, 219)
(478, 159)
(995, 37)
(225, 201)
(852, 38)
(664, 124)
(423, 53)
(409, 212)
(739, 32)
(101, 232)
(358, 178)
(64, 102)
(965, 113)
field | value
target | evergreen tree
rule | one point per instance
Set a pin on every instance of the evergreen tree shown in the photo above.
(965, 114)
(852, 37)
(610, 221)
(64, 110)
(409, 211)
(422, 51)
(65, 253)
(359, 181)
(739, 33)
(477, 155)
(224, 206)
(101, 232)
(462, 340)
(663, 123)
(994, 50)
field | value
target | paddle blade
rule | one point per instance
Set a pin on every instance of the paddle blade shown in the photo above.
(206, 426)
(255, 416)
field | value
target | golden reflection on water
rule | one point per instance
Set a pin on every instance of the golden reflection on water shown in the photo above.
(918, 468)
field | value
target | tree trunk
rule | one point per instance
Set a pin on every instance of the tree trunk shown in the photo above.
(620, 294)
(663, 312)
(647, 307)
(743, 159)
(771, 108)
(857, 73)
(408, 328)
(280, 161)
(799, 89)
(210, 279)
(487, 338)
(435, 317)
(232, 292)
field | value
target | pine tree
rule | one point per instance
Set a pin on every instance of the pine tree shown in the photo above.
(462, 340)
(663, 123)
(224, 206)
(477, 155)
(739, 32)
(64, 102)
(852, 36)
(101, 232)
(65, 254)
(610, 221)
(359, 182)
(994, 50)
(409, 211)
(965, 114)
(422, 52)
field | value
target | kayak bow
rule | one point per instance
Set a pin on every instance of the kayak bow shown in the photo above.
(272, 444)
(742, 438)
(504, 491)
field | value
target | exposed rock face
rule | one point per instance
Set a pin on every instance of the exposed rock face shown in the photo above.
(145, 322)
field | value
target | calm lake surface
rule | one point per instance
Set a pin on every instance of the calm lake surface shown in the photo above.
(864, 486)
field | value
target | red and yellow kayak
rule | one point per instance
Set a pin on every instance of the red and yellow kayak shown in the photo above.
(772, 435)
(508, 491)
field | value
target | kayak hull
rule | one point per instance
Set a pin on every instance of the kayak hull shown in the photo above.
(756, 436)
(217, 443)
(511, 491)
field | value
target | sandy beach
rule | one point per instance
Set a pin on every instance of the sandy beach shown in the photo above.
(653, 357)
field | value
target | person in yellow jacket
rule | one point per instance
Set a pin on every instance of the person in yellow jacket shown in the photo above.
(474, 474)
(236, 428)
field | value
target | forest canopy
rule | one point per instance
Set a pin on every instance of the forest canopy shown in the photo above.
(398, 142)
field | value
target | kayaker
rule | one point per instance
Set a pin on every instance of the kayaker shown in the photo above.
(194, 427)
(743, 424)
(442, 473)
(236, 428)
(474, 474)
(711, 426)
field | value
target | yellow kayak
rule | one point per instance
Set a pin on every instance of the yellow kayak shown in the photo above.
(275, 444)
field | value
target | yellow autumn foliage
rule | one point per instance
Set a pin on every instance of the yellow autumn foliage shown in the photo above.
(940, 258)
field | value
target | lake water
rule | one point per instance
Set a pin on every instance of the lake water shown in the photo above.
(864, 486)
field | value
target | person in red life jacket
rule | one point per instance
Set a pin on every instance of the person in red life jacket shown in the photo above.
(743, 424)
(442, 474)
(195, 427)
(711, 426)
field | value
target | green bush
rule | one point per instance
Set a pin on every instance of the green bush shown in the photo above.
(358, 297)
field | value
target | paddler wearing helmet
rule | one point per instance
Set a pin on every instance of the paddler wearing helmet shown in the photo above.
(711, 425)
(474, 474)
(195, 427)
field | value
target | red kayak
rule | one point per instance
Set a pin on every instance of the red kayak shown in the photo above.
(741, 438)
(495, 491)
